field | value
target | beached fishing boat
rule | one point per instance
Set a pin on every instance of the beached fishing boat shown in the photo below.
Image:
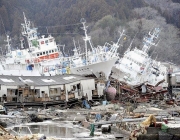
(136, 66)
(43, 56)
(95, 61)
(28, 61)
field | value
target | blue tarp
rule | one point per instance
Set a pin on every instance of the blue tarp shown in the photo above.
(84, 61)
(98, 117)
(85, 103)
(63, 70)
(29, 67)
(19, 53)
(107, 85)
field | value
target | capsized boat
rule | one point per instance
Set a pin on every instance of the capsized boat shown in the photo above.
(137, 67)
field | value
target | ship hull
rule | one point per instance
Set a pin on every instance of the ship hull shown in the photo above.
(103, 67)
(148, 77)
(125, 76)
(117, 74)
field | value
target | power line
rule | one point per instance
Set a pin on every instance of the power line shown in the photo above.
(60, 25)
(60, 33)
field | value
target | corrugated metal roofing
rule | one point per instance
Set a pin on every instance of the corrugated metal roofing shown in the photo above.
(40, 80)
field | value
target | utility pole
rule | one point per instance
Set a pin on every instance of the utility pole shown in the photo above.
(169, 75)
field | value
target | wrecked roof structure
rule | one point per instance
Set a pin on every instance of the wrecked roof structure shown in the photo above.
(40, 80)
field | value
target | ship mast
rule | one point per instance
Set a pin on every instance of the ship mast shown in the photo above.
(8, 43)
(25, 26)
(150, 40)
(28, 32)
(116, 45)
(75, 49)
(86, 38)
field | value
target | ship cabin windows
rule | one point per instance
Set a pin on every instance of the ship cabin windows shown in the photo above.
(51, 40)
(46, 52)
(85, 69)
(138, 63)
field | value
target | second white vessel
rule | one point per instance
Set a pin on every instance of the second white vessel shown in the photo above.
(136, 67)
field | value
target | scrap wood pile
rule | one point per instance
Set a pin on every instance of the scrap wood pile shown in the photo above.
(141, 93)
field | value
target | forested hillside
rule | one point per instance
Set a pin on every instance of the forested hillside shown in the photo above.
(62, 12)
(170, 9)
(105, 18)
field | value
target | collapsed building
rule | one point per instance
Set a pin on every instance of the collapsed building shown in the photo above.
(36, 90)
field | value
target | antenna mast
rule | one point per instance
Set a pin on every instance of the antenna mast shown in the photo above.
(75, 49)
(28, 32)
(116, 45)
(132, 41)
(86, 38)
(150, 40)
(8, 43)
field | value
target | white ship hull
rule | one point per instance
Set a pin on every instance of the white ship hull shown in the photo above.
(20, 73)
(104, 67)
(18, 70)
(126, 77)
(152, 79)
(117, 74)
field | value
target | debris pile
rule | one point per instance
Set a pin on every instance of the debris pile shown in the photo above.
(141, 93)
(125, 111)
